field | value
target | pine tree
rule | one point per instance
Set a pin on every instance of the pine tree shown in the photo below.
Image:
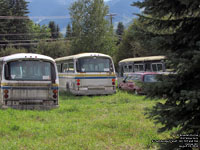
(119, 32)
(120, 29)
(91, 31)
(68, 31)
(53, 29)
(19, 27)
(178, 23)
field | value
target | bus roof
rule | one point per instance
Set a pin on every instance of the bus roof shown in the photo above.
(149, 58)
(81, 55)
(26, 56)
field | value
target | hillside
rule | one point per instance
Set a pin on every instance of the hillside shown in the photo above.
(122, 8)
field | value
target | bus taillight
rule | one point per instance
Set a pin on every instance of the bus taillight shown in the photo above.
(78, 82)
(6, 93)
(113, 81)
(55, 93)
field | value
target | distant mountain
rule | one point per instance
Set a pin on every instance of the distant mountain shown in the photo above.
(122, 8)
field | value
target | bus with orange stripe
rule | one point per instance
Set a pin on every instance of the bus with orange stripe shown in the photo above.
(28, 81)
(87, 74)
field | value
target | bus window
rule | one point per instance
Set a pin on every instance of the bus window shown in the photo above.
(65, 67)
(141, 67)
(59, 67)
(71, 67)
(160, 67)
(125, 68)
(29, 70)
(148, 67)
(138, 67)
(157, 67)
(130, 68)
(94, 64)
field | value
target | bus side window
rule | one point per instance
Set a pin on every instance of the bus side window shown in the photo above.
(130, 68)
(59, 67)
(71, 67)
(148, 67)
(65, 68)
(160, 67)
(136, 68)
(154, 67)
(125, 68)
(157, 67)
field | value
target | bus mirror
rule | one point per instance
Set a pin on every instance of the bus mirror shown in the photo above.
(6, 71)
(53, 74)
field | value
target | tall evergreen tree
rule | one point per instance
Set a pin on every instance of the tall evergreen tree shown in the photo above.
(91, 32)
(120, 31)
(52, 27)
(68, 31)
(120, 28)
(178, 23)
(17, 27)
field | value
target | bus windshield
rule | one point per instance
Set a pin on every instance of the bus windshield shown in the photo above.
(29, 70)
(94, 64)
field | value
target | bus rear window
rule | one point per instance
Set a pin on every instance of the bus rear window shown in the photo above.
(29, 70)
(94, 64)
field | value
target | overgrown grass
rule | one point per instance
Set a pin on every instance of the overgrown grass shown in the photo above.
(115, 122)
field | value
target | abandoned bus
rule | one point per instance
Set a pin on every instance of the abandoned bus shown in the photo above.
(87, 74)
(141, 64)
(28, 81)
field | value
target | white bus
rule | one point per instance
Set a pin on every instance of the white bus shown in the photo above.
(28, 81)
(87, 74)
(141, 64)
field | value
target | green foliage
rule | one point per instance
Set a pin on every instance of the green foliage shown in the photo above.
(11, 50)
(120, 29)
(177, 22)
(55, 30)
(54, 49)
(13, 26)
(120, 32)
(68, 31)
(94, 123)
(39, 32)
(91, 32)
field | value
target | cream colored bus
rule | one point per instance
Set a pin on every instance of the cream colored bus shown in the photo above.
(87, 74)
(28, 81)
(141, 64)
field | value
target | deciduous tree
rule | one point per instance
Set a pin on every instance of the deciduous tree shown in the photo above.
(91, 31)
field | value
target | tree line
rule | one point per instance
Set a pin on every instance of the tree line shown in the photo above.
(169, 28)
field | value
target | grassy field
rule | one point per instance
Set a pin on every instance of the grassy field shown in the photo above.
(114, 122)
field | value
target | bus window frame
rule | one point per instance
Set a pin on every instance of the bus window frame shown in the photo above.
(157, 66)
(139, 64)
(7, 70)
